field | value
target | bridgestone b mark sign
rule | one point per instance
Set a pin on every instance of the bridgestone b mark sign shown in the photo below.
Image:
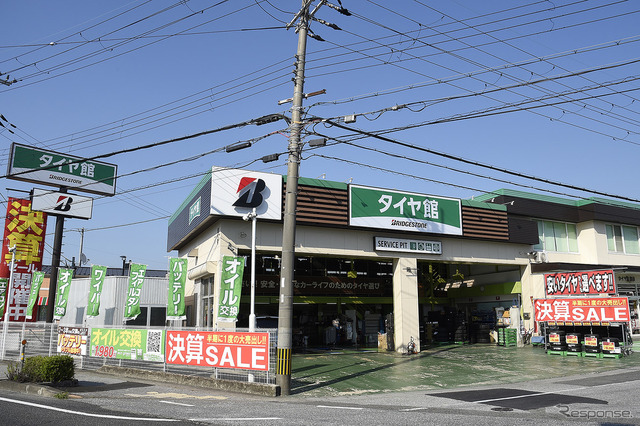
(586, 282)
(403, 211)
(246, 351)
(39, 166)
(582, 310)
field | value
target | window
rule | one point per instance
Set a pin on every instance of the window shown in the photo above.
(622, 239)
(557, 236)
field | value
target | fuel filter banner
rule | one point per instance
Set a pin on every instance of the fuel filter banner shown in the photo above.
(136, 279)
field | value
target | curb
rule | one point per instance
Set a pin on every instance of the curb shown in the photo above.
(29, 388)
(262, 389)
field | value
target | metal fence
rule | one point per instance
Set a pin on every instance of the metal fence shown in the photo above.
(42, 339)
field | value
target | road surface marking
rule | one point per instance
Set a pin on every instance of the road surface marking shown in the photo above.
(178, 403)
(338, 407)
(80, 413)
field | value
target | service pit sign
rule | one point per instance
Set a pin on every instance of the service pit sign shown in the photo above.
(36, 165)
(404, 211)
(245, 351)
(583, 311)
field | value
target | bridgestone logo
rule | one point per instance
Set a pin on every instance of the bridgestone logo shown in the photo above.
(395, 222)
(65, 179)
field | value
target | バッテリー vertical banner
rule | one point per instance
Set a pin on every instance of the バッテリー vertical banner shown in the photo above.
(136, 279)
(37, 277)
(62, 295)
(230, 288)
(175, 296)
(95, 290)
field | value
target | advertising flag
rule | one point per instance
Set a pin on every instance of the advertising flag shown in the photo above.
(36, 282)
(136, 279)
(62, 295)
(230, 288)
(177, 281)
(4, 282)
(95, 290)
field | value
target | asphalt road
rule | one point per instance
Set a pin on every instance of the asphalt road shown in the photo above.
(602, 398)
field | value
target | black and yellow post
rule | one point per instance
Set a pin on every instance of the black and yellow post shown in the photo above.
(283, 363)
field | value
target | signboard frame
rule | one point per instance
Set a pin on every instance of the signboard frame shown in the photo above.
(36, 165)
(61, 204)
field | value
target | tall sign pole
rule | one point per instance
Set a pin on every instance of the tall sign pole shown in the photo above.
(285, 308)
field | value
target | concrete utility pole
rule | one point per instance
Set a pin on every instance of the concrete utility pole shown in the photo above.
(285, 309)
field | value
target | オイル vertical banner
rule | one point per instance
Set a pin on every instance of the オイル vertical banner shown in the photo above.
(230, 288)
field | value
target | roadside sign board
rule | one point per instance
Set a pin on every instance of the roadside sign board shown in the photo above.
(36, 165)
(61, 203)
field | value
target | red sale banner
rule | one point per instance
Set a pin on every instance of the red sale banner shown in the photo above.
(579, 283)
(248, 351)
(592, 310)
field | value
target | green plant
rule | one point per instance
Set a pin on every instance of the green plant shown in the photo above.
(62, 395)
(54, 369)
(14, 372)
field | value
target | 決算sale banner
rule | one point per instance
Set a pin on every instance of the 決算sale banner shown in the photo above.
(583, 310)
(247, 351)
(24, 229)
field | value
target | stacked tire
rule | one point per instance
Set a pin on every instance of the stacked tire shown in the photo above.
(592, 343)
(574, 342)
(557, 341)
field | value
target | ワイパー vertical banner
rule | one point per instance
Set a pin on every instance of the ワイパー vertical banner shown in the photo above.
(230, 288)
(136, 279)
(98, 273)
(175, 296)
(62, 295)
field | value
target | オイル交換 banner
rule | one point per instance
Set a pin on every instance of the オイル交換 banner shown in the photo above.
(247, 351)
(230, 288)
(582, 310)
(117, 343)
(62, 292)
(579, 283)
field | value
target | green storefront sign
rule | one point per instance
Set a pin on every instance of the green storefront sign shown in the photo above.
(403, 211)
(40, 166)
(141, 344)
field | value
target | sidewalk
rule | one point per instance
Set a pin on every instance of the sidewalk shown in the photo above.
(348, 372)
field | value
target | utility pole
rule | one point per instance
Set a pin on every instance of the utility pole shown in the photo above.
(285, 308)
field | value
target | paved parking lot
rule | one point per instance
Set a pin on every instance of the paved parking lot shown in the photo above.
(349, 372)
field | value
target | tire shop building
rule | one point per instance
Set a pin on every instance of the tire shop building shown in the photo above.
(406, 264)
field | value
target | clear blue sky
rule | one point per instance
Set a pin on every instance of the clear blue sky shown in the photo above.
(552, 87)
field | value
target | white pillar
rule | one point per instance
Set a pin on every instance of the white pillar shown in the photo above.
(405, 303)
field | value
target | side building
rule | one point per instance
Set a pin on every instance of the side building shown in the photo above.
(401, 263)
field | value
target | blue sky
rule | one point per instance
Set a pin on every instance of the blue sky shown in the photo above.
(546, 89)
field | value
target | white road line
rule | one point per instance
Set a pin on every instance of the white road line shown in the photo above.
(80, 413)
(338, 407)
(232, 419)
(178, 403)
(525, 396)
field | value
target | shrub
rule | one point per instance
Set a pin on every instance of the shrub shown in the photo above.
(54, 369)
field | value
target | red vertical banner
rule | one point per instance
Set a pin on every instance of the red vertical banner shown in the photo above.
(25, 229)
